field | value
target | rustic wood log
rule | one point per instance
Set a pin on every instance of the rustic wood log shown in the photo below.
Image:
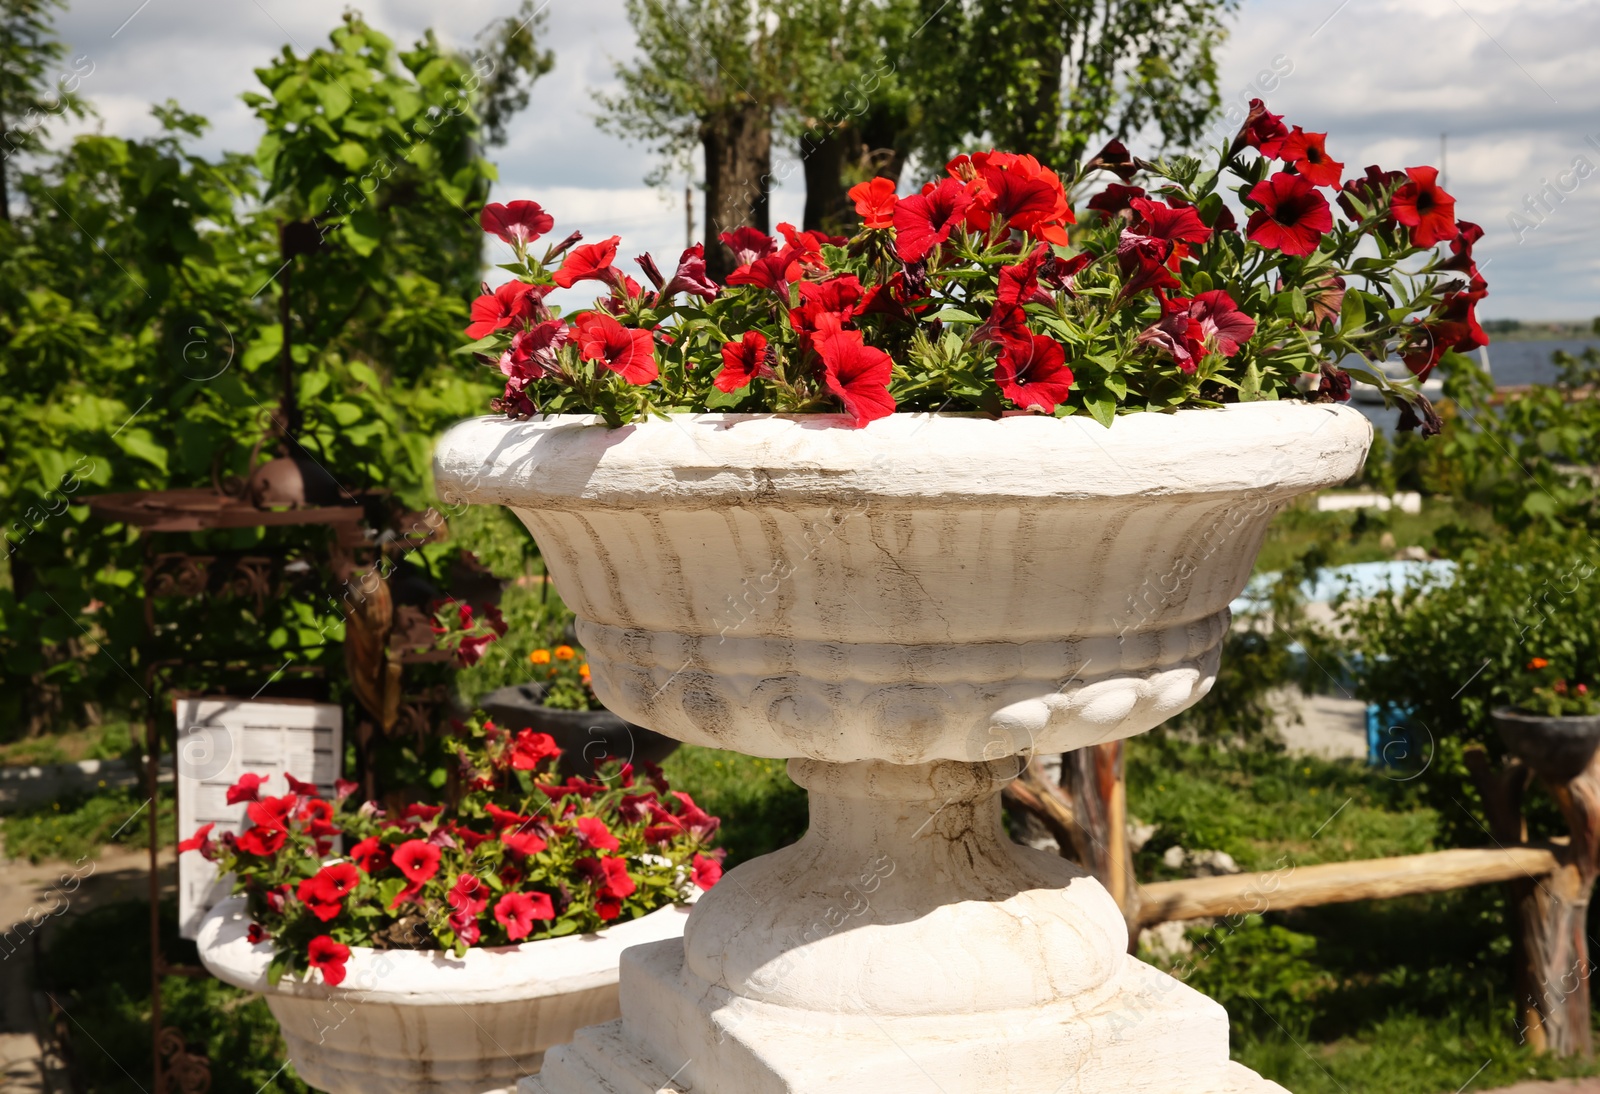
(1095, 781)
(1340, 882)
(1031, 792)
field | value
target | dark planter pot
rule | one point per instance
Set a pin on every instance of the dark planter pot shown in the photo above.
(585, 736)
(1557, 748)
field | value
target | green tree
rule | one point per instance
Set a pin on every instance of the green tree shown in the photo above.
(37, 83)
(1048, 77)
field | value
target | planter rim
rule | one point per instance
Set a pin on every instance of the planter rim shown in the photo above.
(531, 970)
(1517, 714)
(1281, 448)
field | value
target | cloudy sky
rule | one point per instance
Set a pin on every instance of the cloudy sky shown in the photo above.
(1514, 83)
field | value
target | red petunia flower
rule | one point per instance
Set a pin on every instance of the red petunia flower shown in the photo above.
(304, 789)
(1116, 158)
(417, 859)
(743, 361)
(1293, 216)
(924, 221)
(1143, 262)
(1467, 236)
(533, 354)
(522, 842)
(512, 302)
(628, 352)
(517, 912)
(262, 840)
(773, 272)
(857, 373)
(1032, 372)
(1262, 130)
(1452, 325)
(201, 841)
(705, 872)
(1309, 154)
(748, 244)
(255, 934)
(875, 201)
(825, 305)
(530, 749)
(518, 223)
(465, 926)
(1027, 194)
(697, 821)
(1115, 198)
(323, 894)
(370, 855)
(1162, 221)
(593, 833)
(469, 894)
(1019, 284)
(1371, 190)
(1217, 320)
(328, 957)
(590, 262)
(691, 276)
(1428, 211)
(247, 789)
(1176, 335)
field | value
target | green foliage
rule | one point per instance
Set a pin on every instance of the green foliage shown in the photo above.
(73, 828)
(38, 86)
(105, 988)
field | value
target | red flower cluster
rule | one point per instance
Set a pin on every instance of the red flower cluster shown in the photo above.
(575, 854)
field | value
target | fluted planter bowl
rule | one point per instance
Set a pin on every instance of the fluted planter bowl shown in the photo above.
(425, 1022)
(1556, 747)
(900, 610)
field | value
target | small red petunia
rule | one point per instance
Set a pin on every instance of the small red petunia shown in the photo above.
(590, 262)
(1032, 372)
(743, 361)
(417, 859)
(624, 350)
(857, 373)
(247, 789)
(593, 833)
(512, 302)
(1309, 154)
(924, 221)
(329, 957)
(1262, 130)
(875, 201)
(1423, 207)
(1217, 320)
(522, 842)
(530, 749)
(304, 789)
(201, 841)
(705, 872)
(516, 222)
(370, 855)
(517, 912)
(262, 840)
(1293, 216)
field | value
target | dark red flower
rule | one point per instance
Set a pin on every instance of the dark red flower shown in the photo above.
(255, 934)
(1452, 325)
(1293, 216)
(422, 812)
(691, 276)
(1115, 198)
(1372, 190)
(875, 201)
(1176, 334)
(530, 749)
(1419, 415)
(1059, 273)
(1161, 221)
(247, 789)
(534, 353)
(417, 859)
(522, 841)
(1028, 195)
(343, 788)
(590, 262)
(328, 957)
(324, 892)
(697, 821)
(924, 221)
(272, 812)
(1423, 207)
(512, 302)
(465, 926)
(370, 855)
(1143, 262)
(1335, 384)
(1461, 246)
(517, 912)
(825, 305)
(1033, 372)
(1217, 321)
(504, 818)
(469, 894)
(1262, 130)
(628, 352)
(304, 789)
(857, 373)
(1114, 157)
(1308, 154)
(518, 223)
(743, 361)
(261, 840)
(748, 244)
(705, 872)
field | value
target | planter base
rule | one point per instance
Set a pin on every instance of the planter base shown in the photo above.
(1157, 1036)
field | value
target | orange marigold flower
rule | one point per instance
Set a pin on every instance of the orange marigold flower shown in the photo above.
(1537, 663)
(540, 657)
(565, 653)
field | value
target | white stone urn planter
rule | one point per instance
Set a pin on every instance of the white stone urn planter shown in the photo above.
(425, 1022)
(901, 610)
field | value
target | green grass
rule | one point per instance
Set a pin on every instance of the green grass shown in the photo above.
(76, 827)
(103, 742)
(760, 807)
(1356, 535)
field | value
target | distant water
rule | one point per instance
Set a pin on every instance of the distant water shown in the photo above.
(1510, 363)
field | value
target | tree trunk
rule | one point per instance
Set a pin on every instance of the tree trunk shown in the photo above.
(823, 153)
(738, 151)
(1095, 779)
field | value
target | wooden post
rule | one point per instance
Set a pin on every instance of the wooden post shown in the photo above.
(1096, 782)
(1551, 946)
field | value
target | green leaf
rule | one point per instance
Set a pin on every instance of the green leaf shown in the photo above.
(1102, 407)
(956, 315)
(1352, 313)
(139, 443)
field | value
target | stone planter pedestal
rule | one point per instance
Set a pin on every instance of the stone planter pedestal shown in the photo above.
(902, 611)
